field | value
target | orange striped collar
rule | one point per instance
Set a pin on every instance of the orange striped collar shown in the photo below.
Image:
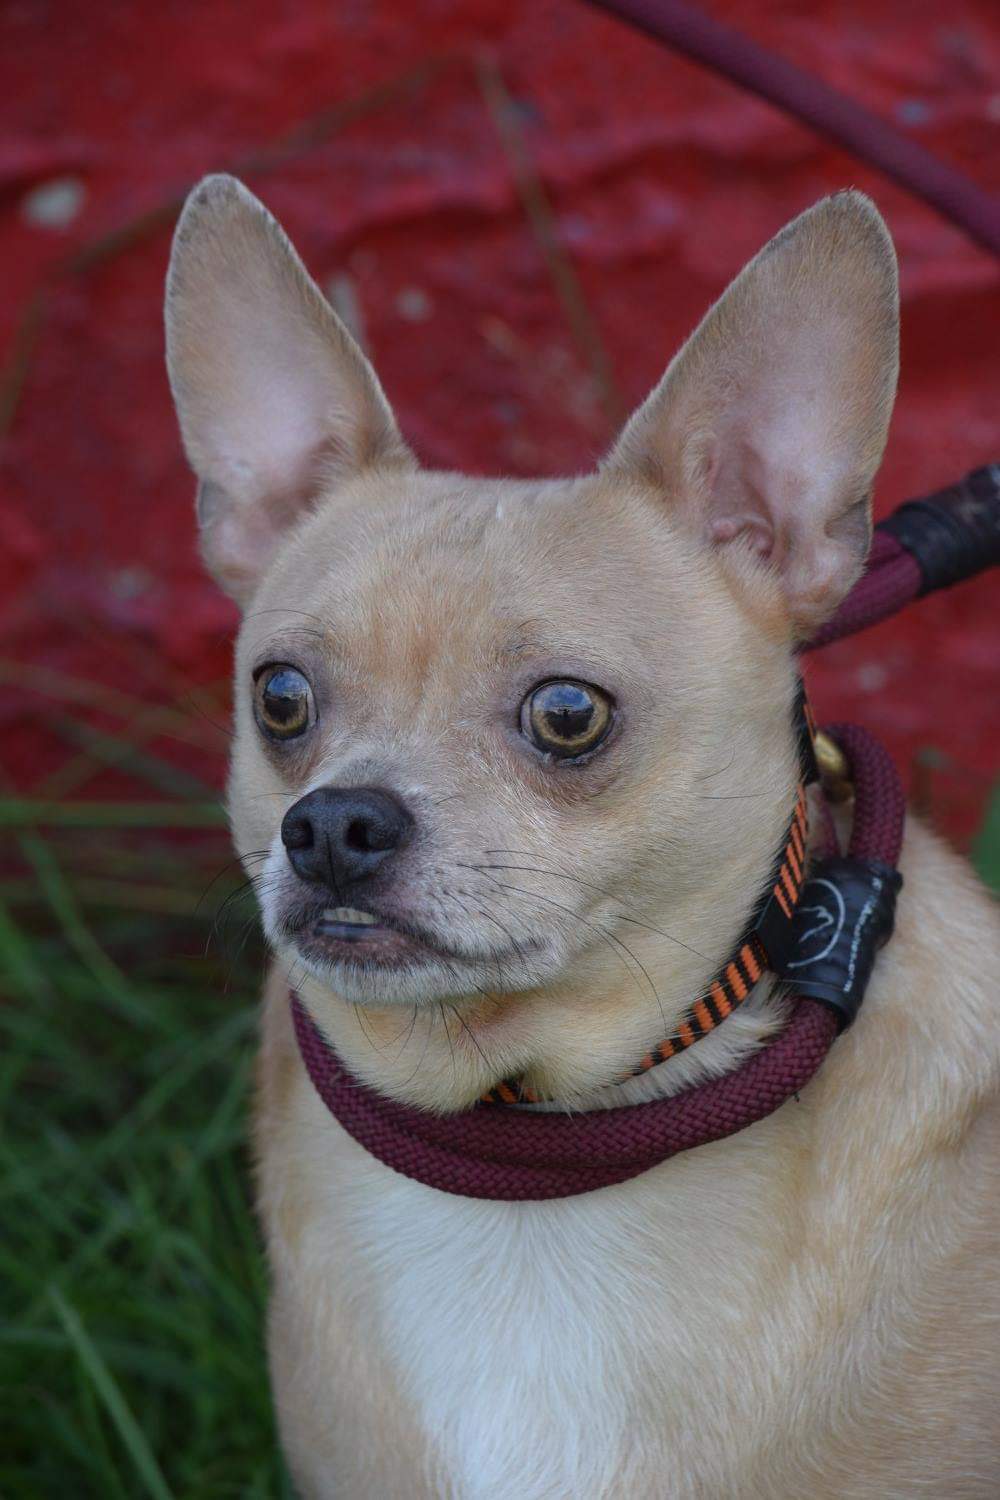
(761, 947)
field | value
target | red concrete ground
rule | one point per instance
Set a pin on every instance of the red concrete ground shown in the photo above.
(411, 150)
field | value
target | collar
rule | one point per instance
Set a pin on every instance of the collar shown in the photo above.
(819, 931)
(761, 948)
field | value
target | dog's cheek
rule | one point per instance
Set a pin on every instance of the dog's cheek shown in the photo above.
(254, 814)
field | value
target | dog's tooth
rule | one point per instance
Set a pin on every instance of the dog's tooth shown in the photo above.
(350, 915)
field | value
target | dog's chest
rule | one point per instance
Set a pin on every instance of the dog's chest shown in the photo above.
(552, 1350)
(507, 1324)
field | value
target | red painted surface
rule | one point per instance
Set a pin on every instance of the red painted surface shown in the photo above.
(662, 179)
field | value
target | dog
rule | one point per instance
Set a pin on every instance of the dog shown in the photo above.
(510, 762)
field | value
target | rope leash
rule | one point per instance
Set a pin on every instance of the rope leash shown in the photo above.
(688, 30)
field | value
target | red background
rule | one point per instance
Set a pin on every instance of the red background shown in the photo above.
(411, 150)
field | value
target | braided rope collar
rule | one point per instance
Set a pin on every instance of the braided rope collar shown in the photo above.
(516, 1154)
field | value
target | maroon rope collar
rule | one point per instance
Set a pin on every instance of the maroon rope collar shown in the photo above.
(517, 1154)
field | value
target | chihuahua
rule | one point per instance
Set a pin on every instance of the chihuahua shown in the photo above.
(511, 761)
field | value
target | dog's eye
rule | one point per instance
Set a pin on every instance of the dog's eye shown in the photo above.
(566, 719)
(283, 702)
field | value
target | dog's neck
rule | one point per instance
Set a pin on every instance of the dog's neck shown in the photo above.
(574, 1041)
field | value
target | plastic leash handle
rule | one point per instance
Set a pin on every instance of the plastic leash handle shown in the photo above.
(928, 543)
(953, 533)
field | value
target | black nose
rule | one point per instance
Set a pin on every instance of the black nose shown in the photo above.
(338, 837)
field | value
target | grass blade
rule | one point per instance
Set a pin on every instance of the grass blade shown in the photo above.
(113, 1401)
(986, 851)
(22, 812)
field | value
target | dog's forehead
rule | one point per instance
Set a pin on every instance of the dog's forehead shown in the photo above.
(469, 558)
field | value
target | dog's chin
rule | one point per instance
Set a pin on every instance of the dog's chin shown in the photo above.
(371, 982)
(381, 965)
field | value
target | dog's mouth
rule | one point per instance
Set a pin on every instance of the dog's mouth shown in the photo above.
(347, 934)
(358, 937)
(348, 922)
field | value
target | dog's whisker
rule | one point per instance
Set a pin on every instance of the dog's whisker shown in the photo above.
(430, 1030)
(730, 796)
(490, 917)
(237, 859)
(286, 609)
(608, 937)
(358, 1016)
(409, 1035)
(402, 1037)
(467, 1028)
(711, 775)
(451, 1042)
(563, 875)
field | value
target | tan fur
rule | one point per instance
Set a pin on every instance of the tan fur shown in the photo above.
(810, 1308)
(851, 1239)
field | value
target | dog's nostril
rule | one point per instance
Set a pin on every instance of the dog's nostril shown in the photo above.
(358, 835)
(297, 833)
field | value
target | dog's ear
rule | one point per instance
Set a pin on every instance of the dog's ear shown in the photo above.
(274, 397)
(768, 427)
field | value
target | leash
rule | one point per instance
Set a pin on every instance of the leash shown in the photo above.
(927, 544)
(688, 30)
(825, 960)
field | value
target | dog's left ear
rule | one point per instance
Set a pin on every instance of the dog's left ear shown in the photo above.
(766, 432)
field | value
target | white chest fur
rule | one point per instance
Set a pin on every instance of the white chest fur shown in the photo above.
(511, 1323)
(573, 1348)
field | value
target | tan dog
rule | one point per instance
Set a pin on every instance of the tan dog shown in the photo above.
(539, 885)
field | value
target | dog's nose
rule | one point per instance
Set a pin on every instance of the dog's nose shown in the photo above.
(338, 837)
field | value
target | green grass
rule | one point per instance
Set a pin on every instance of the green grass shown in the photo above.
(986, 852)
(131, 1327)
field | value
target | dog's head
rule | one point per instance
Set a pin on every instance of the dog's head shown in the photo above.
(512, 758)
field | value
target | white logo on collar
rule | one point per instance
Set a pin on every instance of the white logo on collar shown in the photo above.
(829, 922)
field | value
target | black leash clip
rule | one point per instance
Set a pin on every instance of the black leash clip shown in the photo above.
(845, 914)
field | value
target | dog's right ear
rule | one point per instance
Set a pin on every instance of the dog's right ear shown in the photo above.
(274, 397)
